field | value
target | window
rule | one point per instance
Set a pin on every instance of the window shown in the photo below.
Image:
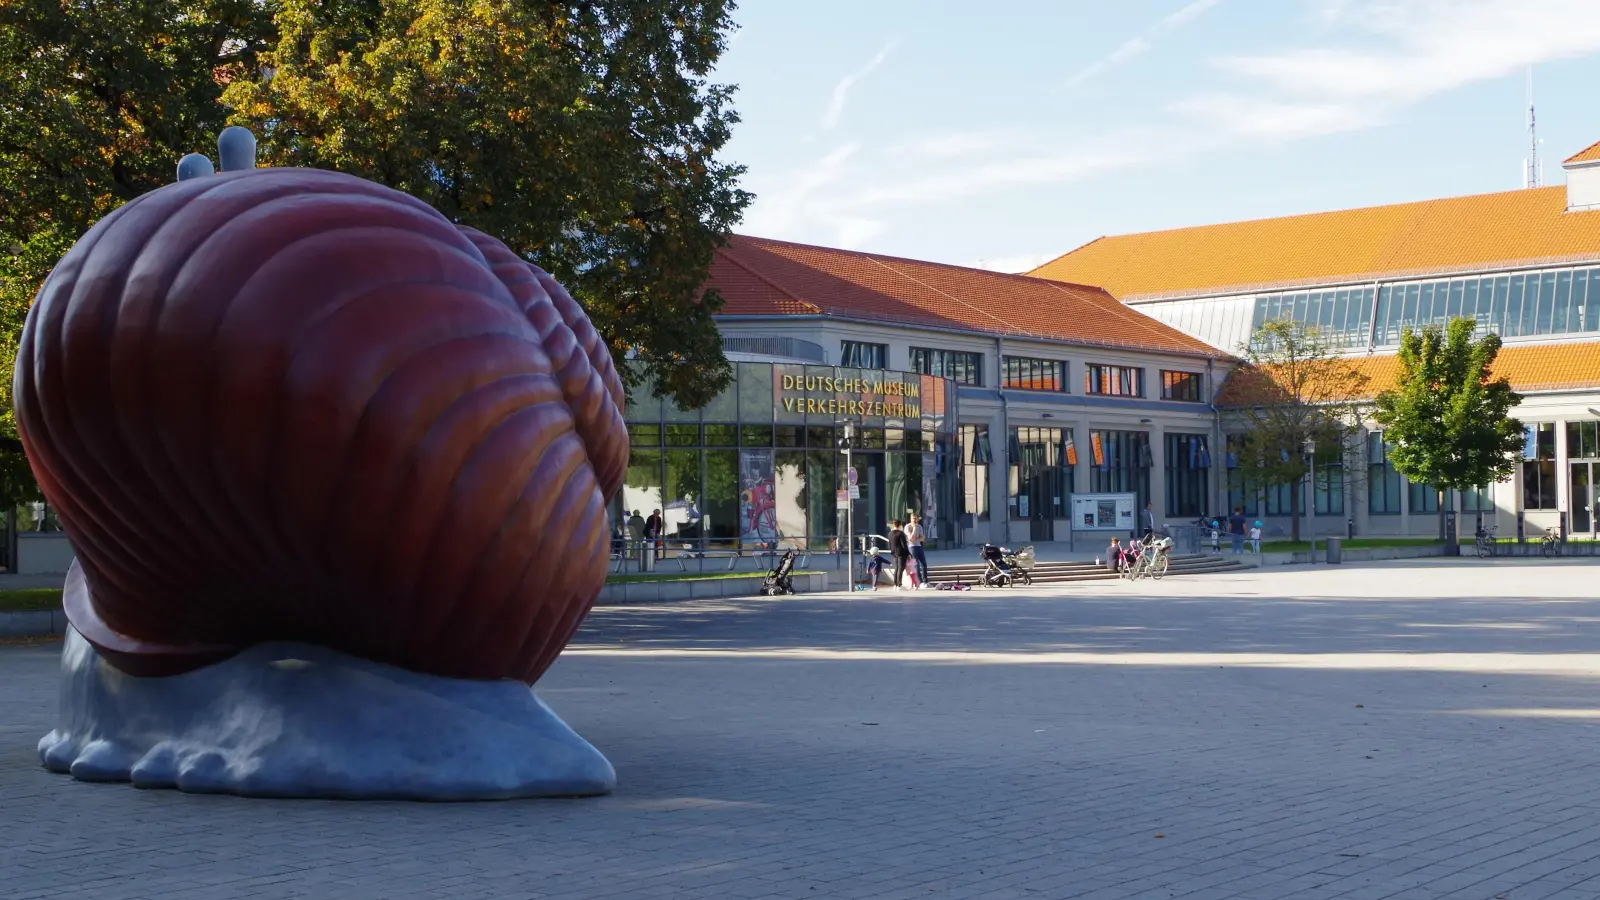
(1180, 386)
(1041, 462)
(1539, 466)
(1424, 498)
(1383, 482)
(1119, 381)
(1535, 303)
(1187, 465)
(1240, 493)
(1581, 440)
(861, 355)
(957, 365)
(1120, 463)
(1329, 480)
(1478, 499)
(975, 459)
(1028, 374)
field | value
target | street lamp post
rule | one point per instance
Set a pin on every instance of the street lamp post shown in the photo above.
(846, 443)
(1311, 495)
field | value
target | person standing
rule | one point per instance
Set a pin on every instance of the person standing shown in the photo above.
(653, 527)
(900, 550)
(635, 531)
(1149, 518)
(914, 538)
(1236, 530)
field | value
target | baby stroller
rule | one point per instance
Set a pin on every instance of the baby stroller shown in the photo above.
(997, 571)
(778, 583)
(1021, 563)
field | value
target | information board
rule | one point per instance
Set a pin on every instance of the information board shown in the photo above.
(1103, 512)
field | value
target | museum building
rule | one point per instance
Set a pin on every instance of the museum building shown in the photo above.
(1524, 264)
(982, 400)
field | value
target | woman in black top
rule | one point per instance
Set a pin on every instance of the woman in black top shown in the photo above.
(900, 549)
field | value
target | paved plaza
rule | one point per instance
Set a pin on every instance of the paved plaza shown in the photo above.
(1421, 730)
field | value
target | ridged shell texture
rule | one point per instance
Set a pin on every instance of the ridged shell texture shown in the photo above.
(291, 404)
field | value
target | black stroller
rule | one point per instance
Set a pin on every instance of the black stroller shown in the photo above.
(996, 570)
(778, 583)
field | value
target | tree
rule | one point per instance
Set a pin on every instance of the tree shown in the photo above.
(1448, 417)
(1294, 392)
(583, 134)
(97, 102)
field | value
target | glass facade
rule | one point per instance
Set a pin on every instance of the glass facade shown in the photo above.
(976, 457)
(1187, 464)
(958, 365)
(1041, 472)
(1343, 314)
(1539, 489)
(1240, 494)
(759, 467)
(1553, 301)
(1383, 482)
(1119, 462)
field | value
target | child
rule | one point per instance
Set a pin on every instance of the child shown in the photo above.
(913, 573)
(1255, 537)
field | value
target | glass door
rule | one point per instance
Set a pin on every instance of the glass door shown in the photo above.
(1583, 497)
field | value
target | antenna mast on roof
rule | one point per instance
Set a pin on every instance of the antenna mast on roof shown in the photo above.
(1533, 169)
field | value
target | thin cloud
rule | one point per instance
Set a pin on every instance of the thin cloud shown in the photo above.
(1424, 48)
(841, 91)
(1138, 46)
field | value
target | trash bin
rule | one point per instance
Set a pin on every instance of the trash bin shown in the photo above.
(647, 558)
(1335, 549)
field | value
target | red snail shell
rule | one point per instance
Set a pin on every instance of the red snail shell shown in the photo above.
(291, 404)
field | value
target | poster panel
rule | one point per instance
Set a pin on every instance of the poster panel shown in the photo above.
(1103, 512)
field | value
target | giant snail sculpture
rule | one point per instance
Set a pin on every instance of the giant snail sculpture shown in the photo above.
(336, 473)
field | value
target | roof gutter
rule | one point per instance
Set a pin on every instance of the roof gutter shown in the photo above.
(969, 332)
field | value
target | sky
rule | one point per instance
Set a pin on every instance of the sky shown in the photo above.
(1003, 134)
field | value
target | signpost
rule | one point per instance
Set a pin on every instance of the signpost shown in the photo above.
(850, 493)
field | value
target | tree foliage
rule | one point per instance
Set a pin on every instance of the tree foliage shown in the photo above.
(98, 100)
(1295, 392)
(583, 134)
(1448, 418)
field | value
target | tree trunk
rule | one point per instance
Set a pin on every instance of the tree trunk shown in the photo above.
(1294, 511)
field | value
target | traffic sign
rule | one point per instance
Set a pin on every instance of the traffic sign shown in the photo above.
(850, 476)
(855, 492)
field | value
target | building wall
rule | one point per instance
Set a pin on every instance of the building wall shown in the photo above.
(1001, 410)
(1583, 187)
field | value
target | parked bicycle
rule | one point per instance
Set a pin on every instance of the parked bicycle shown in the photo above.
(1551, 544)
(1487, 546)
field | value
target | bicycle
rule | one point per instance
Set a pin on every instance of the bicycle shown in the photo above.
(1486, 543)
(1550, 545)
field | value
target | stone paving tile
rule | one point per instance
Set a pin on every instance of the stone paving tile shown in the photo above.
(1423, 730)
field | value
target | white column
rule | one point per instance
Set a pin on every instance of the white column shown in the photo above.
(1563, 481)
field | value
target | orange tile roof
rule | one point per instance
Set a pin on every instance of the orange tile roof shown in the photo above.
(764, 277)
(1530, 368)
(1452, 234)
(1590, 153)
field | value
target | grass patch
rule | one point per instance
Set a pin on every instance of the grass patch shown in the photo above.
(685, 576)
(1352, 544)
(31, 599)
